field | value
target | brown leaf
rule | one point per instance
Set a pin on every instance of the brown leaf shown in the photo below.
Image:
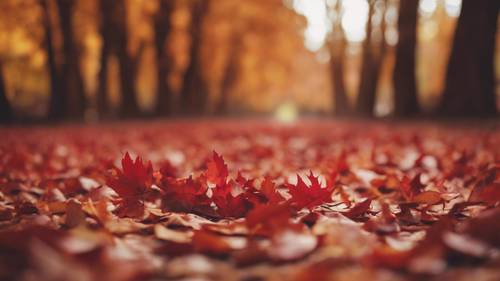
(428, 197)
(74, 214)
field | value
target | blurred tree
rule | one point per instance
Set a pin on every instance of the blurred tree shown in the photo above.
(404, 77)
(115, 38)
(71, 77)
(5, 109)
(67, 99)
(337, 46)
(103, 103)
(162, 28)
(128, 64)
(252, 55)
(194, 91)
(230, 74)
(470, 79)
(57, 97)
(373, 55)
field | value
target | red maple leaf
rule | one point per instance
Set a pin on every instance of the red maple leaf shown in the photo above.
(167, 169)
(249, 191)
(131, 185)
(304, 196)
(268, 188)
(185, 195)
(217, 170)
(229, 204)
(269, 219)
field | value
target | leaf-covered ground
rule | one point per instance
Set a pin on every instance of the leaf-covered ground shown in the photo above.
(250, 200)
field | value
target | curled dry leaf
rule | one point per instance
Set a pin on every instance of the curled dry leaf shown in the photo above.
(428, 197)
(358, 209)
(163, 233)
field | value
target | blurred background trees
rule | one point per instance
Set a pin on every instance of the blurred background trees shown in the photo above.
(5, 110)
(470, 78)
(162, 29)
(103, 59)
(374, 47)
(404, 80)
(194, 88)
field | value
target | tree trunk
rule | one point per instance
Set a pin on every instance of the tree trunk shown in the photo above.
(103, 107)
(71, 77)
(368, 81)
(470, 79)
(230, 77)
(337, 55)
(57, 100)
(115, 38)
(404, 77)
(5, 109)
(162, 28)
(341, 104)
(194, 92)
(371, 66)
(128, 65)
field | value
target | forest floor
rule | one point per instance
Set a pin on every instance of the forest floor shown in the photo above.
(250, 200)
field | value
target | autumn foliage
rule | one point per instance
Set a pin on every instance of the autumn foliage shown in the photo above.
(312, 201)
